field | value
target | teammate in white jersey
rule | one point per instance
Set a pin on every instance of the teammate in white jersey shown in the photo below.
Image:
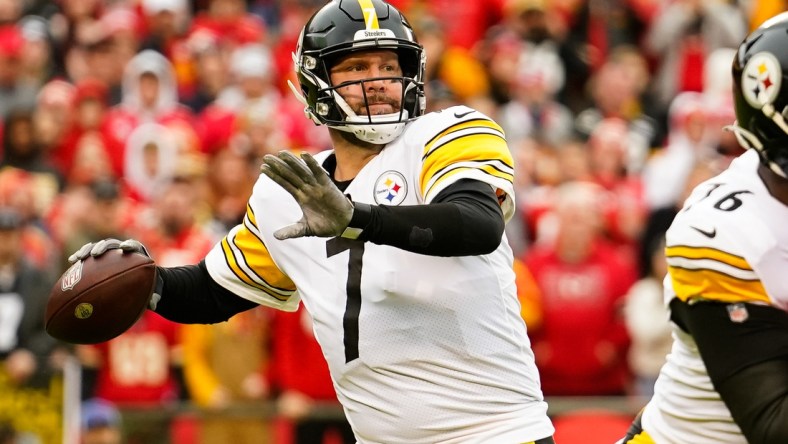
(726, 378)
(393, 240)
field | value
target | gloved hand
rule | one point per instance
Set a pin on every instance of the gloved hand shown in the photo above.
(327, 212)
(128, 246)
(98, 248)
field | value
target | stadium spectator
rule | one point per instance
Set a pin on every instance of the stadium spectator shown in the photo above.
(582, 345)
(599, 27)
(136, 370)
(229, 185)
(225, 366)
(22, 151)
(209, 71)
(14, 91)
(101, 422)
(251, 91)
(465, 21)
(25, 348)
(89, 212)
(691, 139)
(88, 110)
(171, 226)
(682, 35)
(534, 110)
(166, 24)
(36, 59)
(615, 92)
(453, 66)
(624, 208)
(149, 96)
(229, 20)
(20, 191)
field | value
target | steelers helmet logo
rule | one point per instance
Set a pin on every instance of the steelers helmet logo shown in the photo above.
(760, 81)
(390, 188)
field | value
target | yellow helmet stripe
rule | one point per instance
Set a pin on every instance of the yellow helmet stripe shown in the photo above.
(370, 16)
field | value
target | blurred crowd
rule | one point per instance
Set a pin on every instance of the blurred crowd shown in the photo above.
(147, 119)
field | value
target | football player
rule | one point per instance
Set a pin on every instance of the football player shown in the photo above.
(393, 241)
(726, 377)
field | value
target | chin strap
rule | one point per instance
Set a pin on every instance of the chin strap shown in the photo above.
(751, 141)
(301, 99)
(769, 111)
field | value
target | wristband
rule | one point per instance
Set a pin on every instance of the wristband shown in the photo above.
(362, 214)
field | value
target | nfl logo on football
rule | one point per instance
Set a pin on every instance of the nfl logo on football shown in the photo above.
(71, 277)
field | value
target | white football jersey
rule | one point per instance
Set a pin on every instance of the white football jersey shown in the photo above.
(728, 243)
(422, 349)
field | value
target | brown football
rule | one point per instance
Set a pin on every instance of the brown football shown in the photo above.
(100, 297)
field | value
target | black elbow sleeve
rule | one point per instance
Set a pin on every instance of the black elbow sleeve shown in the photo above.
(191, 296)
(757, 398)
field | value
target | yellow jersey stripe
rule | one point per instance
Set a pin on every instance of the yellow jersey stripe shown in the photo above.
(239, 273)
(715, 285)
(251, 216)
(370, 16)
(473, 123)
(262, 274)
(482, 149)
(641, 438)
(448, 174)
(689, 252)
(255, 255)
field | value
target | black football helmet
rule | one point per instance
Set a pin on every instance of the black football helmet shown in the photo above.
(344, 26)
(760, 92)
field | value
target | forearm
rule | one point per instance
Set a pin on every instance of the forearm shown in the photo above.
(191, 296)
(758, 400)
(464, 220)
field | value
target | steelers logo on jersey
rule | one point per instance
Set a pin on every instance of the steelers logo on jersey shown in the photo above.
(760, 81)
(390, 188)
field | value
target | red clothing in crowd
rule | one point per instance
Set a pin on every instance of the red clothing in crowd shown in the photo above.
(297, 363)
(582, 325)
(121, 122)
(136, 367)
(189, 246)
(465, 22)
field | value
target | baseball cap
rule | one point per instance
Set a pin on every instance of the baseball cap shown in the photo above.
(10, 219)
(105, 189)
(97, 413)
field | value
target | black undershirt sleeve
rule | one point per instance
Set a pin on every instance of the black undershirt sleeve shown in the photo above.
(464, 219)
(191, 296)
(747, 362)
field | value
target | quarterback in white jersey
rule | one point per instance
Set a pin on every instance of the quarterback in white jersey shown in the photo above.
(725, 380)
(393, 240)
(420, 347)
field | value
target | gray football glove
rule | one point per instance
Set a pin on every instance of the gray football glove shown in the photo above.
(98, 248)
(327, 212)
(128, 246)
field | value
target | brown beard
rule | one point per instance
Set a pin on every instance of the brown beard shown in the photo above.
(361, 109)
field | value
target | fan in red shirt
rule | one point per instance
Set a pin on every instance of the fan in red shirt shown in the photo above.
(582, 343)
